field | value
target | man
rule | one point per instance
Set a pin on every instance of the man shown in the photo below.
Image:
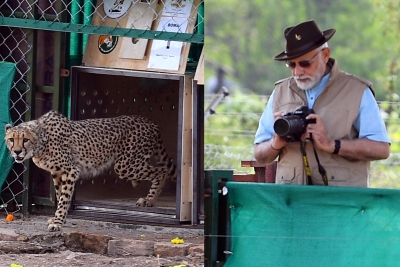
(348, 131)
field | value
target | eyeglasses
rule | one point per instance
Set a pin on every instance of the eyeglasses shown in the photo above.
(303, 63)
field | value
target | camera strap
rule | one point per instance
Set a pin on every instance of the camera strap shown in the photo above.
(305, 162)
(307, 168)
(321, 168)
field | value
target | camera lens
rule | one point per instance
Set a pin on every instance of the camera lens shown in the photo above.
(282, 127)
(290, 125)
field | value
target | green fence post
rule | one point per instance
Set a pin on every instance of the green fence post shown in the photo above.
(216, 226)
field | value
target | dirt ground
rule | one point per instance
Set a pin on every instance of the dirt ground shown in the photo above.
(28, 243)
(72, 259)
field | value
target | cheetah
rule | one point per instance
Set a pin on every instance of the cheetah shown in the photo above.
(71, 150)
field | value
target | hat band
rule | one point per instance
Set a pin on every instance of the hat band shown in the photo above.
(305, 47)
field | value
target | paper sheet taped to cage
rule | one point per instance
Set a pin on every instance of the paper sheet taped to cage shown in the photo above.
(167, 54)
(140, 17)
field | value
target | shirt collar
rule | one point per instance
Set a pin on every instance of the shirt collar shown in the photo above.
(321, 85)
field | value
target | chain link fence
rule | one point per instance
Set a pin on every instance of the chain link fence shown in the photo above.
(14, 47)
(182, 21)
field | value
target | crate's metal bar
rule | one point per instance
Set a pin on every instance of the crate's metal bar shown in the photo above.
(118, 217)
(91, 29)
(112, 210)
(105, 205)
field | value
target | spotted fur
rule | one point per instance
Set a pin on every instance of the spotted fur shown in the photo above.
(71, 150)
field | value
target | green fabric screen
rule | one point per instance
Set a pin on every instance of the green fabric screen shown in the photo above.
(290, 225)
(7, 72)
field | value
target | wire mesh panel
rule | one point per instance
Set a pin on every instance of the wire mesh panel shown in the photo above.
(15, 47)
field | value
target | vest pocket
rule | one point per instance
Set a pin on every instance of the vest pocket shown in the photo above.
(335, 174)
(287, 175)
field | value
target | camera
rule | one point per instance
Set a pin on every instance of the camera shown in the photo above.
(293, 124)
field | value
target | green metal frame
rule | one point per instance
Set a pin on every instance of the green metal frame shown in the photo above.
(216, 223)
(90, 29)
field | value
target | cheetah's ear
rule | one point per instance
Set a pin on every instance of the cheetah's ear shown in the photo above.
(8, 127)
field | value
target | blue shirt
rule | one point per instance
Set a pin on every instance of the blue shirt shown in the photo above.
(369, 123)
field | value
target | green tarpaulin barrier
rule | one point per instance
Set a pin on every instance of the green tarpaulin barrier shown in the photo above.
(7, 72)
(291, 225)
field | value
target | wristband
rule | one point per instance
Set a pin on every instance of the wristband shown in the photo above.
(337, 147)
(274, 148)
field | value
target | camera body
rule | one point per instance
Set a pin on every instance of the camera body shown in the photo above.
(293, 124)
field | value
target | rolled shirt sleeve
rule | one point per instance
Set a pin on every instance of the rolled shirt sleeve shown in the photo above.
(369, 122)
(265, 129)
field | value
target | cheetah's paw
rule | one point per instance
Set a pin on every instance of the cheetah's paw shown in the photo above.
(144, 202)
(141, 202)
(50, 221)
(54, 227)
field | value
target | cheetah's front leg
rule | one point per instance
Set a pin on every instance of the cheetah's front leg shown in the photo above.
(57, 189)
(64, 191)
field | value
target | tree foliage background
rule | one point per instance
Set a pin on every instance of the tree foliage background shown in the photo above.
(242, 37)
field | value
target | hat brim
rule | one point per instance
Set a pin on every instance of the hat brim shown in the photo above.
(327, 35)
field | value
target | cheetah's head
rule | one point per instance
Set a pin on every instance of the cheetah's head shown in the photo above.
(20, 141)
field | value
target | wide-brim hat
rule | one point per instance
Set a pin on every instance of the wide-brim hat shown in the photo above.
(303, 38)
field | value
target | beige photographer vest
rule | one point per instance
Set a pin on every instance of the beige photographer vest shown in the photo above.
(338, 106)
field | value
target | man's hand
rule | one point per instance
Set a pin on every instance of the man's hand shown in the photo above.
(267, 152)
(278, 142)
(322, 141)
